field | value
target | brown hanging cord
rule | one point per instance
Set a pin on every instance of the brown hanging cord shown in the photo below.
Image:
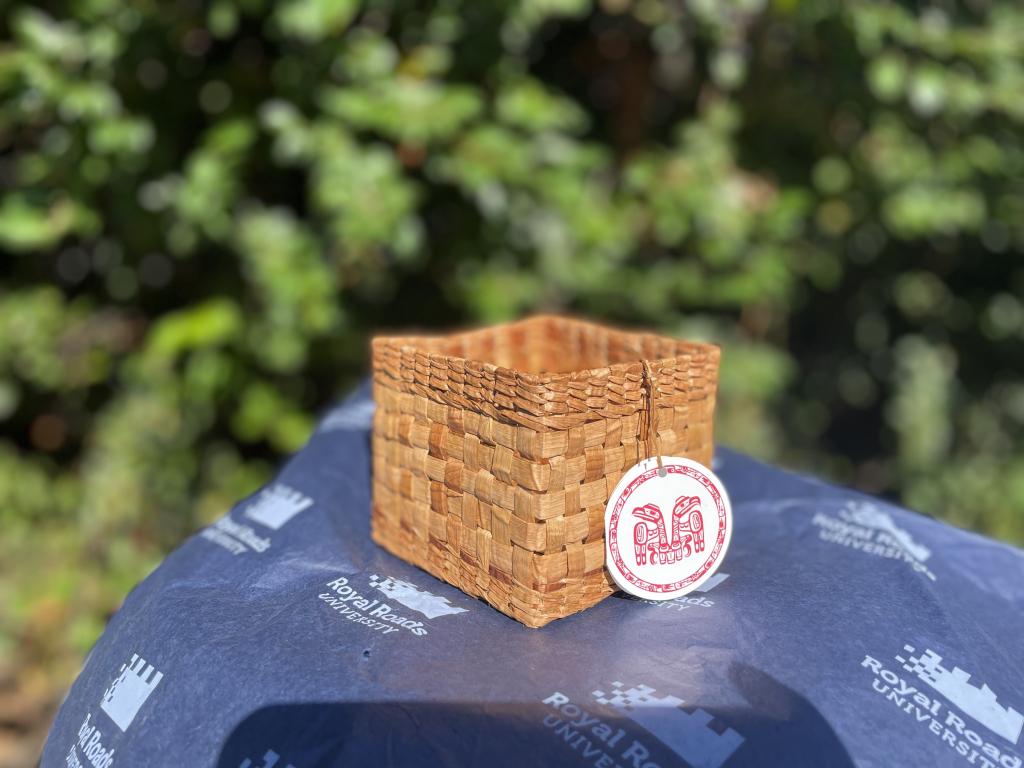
(652, 440)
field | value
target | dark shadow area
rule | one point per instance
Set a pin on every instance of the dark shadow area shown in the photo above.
(789, 729)
(778, 728)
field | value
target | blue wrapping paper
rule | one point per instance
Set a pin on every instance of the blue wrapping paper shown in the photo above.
(840, 630)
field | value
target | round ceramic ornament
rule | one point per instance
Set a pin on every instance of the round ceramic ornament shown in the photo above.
(667, 528)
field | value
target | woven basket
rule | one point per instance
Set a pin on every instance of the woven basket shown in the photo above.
(495, 451)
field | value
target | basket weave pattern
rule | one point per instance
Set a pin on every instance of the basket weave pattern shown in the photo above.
(495, 451)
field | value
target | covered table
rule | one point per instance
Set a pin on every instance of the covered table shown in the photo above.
(840, 630)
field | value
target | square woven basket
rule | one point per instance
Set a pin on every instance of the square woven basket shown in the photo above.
(495, 451)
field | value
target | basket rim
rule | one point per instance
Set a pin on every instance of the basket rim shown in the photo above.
(414, 341)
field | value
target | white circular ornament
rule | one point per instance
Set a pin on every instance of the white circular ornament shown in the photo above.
(667, 530)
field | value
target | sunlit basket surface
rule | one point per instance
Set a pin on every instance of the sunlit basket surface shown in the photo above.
(495, 451)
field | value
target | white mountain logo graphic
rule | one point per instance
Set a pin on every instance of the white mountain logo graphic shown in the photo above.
(713, 582)
(270, 760)
(351, 416)
(129, 691)
(870, 516)
(276, 505)
(413, 597)
(955, 685)
(696, 736)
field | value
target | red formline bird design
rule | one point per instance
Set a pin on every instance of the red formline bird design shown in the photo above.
(651, 539)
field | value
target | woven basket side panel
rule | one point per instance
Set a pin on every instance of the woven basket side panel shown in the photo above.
(553, 402)
(494, 477)
(506, 513)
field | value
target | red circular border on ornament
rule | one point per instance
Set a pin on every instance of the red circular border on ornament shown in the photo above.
(613, 528)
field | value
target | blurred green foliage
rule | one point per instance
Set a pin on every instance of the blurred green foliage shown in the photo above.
(206, 209)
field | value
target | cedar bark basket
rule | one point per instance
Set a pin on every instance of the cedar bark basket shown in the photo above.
(495, 451)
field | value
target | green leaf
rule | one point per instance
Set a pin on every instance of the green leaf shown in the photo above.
(29, 227)
(212, 323)
(313, 20)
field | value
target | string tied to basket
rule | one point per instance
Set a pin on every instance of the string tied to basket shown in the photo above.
(653, 442)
